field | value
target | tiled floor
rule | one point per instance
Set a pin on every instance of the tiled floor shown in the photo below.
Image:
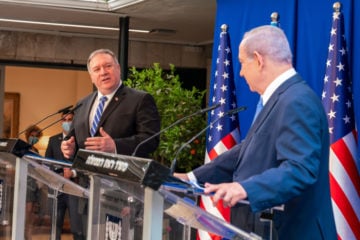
(39, 232)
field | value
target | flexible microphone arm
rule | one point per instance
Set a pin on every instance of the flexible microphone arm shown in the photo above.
(43, 119)
(232, 111)
(201, 111)
(70, 112)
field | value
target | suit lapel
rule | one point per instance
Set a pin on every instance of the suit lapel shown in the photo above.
(87, 106)
(267, 109)
(114, 102)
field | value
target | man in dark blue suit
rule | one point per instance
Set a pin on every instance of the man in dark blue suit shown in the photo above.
(284, 158)
(65, 201)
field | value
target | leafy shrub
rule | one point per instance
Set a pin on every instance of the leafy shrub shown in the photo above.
(173, 102)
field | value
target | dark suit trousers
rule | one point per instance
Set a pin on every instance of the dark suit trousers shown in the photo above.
(70, 203)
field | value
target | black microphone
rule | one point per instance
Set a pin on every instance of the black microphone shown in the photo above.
(230, 112)
(65, 109)
(43, 119)
(201, 111)
(76, 108)
(71, 111)
(72, 132)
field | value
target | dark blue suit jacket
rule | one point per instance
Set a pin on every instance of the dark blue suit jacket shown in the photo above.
(284, 160)
(53, 149)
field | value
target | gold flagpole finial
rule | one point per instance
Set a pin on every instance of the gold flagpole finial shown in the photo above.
(337, 7)
(275, 19)
(224, 28)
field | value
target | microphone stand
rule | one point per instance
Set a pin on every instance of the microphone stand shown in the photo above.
(65, 115)
(173, 163)
(60, 111)
(201, 111)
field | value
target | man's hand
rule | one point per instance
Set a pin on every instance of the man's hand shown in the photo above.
(67, 173)
(230, 193)
(125, 211)
(104, 143)
(68, 147)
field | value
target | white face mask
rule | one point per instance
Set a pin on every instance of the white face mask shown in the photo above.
(66, 126)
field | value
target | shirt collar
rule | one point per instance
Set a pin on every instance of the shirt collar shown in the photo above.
(276, 83)
(109, 96)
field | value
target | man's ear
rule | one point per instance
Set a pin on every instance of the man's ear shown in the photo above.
(259, 59)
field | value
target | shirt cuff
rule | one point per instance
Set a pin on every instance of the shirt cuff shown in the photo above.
(191, 177)
(74, 174)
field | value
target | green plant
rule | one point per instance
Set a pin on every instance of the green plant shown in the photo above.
(173, 102)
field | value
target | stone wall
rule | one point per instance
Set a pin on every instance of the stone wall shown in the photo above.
(52, 48)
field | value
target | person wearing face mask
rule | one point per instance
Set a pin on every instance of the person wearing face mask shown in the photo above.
(32, 135)
(65, 201)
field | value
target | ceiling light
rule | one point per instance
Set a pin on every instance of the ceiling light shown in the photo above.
(69, 25)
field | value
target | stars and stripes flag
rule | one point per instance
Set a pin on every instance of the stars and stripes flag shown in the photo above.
(338, 103)
(224, 133)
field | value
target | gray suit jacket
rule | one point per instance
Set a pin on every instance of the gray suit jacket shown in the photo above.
(129, 118)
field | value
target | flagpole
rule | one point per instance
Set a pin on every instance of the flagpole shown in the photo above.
(226, 132)
(338, 103)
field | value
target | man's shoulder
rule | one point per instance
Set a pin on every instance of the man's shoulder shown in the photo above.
(56, 137)
(132, 91)
(87, 97)
(135, 95)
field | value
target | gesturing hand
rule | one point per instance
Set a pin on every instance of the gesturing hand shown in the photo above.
(104, 143)
(68, 147)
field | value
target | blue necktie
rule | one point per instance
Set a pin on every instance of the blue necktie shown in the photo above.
(98, 113)
(259, 107)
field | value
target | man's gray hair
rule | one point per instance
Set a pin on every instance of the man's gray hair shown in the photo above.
(101, 51)
(268, 41)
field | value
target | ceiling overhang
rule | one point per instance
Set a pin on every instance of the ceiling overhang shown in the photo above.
(186, 22)
(97, 5)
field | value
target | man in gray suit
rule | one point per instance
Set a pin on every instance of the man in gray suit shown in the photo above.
(284, 158)
(129, 116)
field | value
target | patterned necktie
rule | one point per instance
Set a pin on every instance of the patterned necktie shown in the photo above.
(259, 107)
(98, 113)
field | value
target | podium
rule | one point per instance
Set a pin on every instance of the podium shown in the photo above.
(116, 185)
(15, 156)
(125, 198)
(7, 172)
(187, 213)
(137, 184)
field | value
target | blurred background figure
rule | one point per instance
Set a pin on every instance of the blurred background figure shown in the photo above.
(65, 201)
(32, 135)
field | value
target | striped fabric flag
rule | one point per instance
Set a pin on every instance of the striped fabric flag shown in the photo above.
(224, 133)
(338, 103)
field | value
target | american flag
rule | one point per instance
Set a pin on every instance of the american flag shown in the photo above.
(338, 103)
(224, 133)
